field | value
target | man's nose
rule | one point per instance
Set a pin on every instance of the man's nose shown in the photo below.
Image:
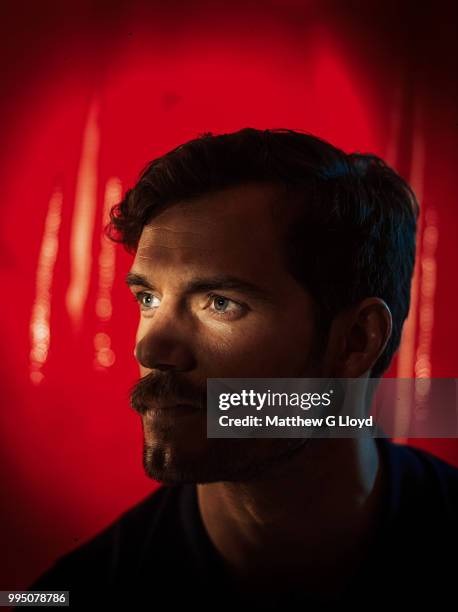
(164, 345)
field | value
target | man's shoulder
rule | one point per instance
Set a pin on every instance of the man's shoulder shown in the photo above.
(422, 484)
(426, 467)
(418, 528)
(98, 558)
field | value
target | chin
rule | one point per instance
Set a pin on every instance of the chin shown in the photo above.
(172, 466)
(217, 460)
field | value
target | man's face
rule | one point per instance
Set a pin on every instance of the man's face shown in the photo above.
(195, 324)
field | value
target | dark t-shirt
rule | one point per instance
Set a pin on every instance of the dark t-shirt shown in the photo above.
(158, 552)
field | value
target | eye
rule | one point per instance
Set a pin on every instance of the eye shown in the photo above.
(224, 307)
(145, 300)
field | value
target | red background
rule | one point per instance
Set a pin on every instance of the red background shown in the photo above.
(137, 79)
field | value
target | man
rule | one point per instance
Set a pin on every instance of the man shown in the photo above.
(264, 254)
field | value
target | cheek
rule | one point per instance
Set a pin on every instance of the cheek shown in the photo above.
(263, 349)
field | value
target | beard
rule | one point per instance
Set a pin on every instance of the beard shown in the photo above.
(179, 452)
(218, 460)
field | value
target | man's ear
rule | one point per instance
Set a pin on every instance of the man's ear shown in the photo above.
(363, 334)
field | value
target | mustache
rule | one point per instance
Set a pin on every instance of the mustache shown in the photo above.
(164, 388)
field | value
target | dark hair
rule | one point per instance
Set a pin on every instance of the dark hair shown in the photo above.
(354, 233)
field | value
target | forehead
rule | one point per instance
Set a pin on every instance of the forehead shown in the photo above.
(232, 230)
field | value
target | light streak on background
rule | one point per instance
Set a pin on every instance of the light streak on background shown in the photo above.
(406, 354)
(427, 292)
(83, 219)
(40, 334)
(107, 256)
(104, 355)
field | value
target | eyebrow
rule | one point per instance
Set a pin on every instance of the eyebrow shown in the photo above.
(200, 285)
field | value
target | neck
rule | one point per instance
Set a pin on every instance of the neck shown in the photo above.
(314, 513)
